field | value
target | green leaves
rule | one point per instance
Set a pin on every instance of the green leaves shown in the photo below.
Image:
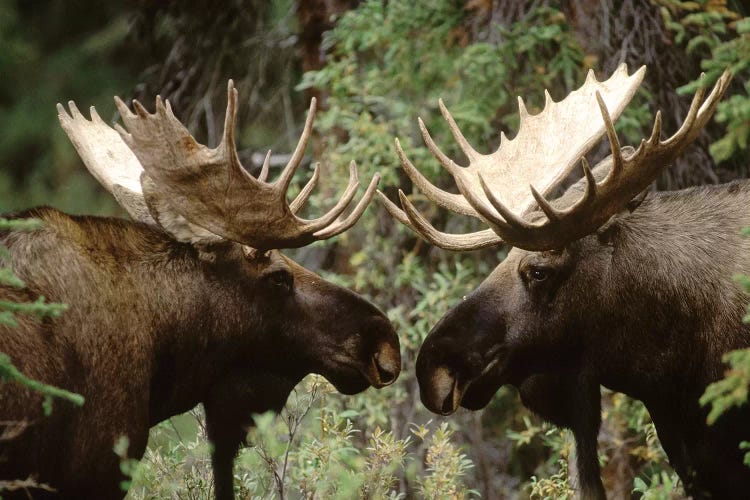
(723, 40)
(731, 391)
(128, 466)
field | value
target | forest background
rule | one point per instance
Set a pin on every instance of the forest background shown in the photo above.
(376, 66)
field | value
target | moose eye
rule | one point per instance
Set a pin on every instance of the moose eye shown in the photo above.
(539, 274)
(280, 279)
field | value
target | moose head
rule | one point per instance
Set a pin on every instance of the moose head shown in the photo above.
(528, 316)
(163, 177)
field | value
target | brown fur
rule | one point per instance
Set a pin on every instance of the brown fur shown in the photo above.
(153, 328)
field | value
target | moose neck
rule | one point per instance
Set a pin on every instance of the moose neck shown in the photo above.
(672, 305)
(219, 343)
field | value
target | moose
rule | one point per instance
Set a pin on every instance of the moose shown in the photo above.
(192, 302)
(608, 284)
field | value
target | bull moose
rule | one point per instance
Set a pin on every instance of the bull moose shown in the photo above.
(604, 285)
(191, 302)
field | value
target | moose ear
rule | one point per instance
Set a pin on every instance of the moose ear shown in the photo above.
(608, 232)
(636, 202)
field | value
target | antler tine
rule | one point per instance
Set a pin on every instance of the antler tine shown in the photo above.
(123, 109)
(454, 202)
(395, 212)
(614, 142)
(139, 109)
(699, 113)
(550, 211)
(589, 194)
(263, 174)
(522, 111)
(230, 121)
(591, 185)
(285, 178)
(469, 151)
(656, 131)
(689, 121)
(721, 86)
(328, 218)
(456, 242)
(511, 219)
(351, 219)
(444, 160)
(303, 195)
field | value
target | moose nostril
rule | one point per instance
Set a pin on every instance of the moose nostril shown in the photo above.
(444, 394)
(387, 375)
(388, 363)
(449, 405)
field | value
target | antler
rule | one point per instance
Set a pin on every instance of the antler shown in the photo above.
(502, 208)
(107, 158)
(205, 187)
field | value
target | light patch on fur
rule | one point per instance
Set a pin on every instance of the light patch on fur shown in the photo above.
(443, 383)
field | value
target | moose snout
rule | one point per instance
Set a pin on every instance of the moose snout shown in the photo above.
(385, 365)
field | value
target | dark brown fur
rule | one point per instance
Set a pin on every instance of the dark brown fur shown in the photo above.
(155, 327)
(646, 306)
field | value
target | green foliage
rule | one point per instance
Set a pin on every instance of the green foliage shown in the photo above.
(177, 461)
(554, 487)
(385, 456)
(334, 459)
(559, 442)
(445, 465)
(732, 390)
(660, 486)
(49, 51)
(722, 38)
(39, 308)
(128, 466)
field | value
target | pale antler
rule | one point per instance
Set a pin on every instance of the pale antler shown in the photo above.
(627, 177)
(497, 192)
(108, 159)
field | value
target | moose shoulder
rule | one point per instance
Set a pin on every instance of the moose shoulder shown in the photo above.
(602, 287)
(180, 307)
